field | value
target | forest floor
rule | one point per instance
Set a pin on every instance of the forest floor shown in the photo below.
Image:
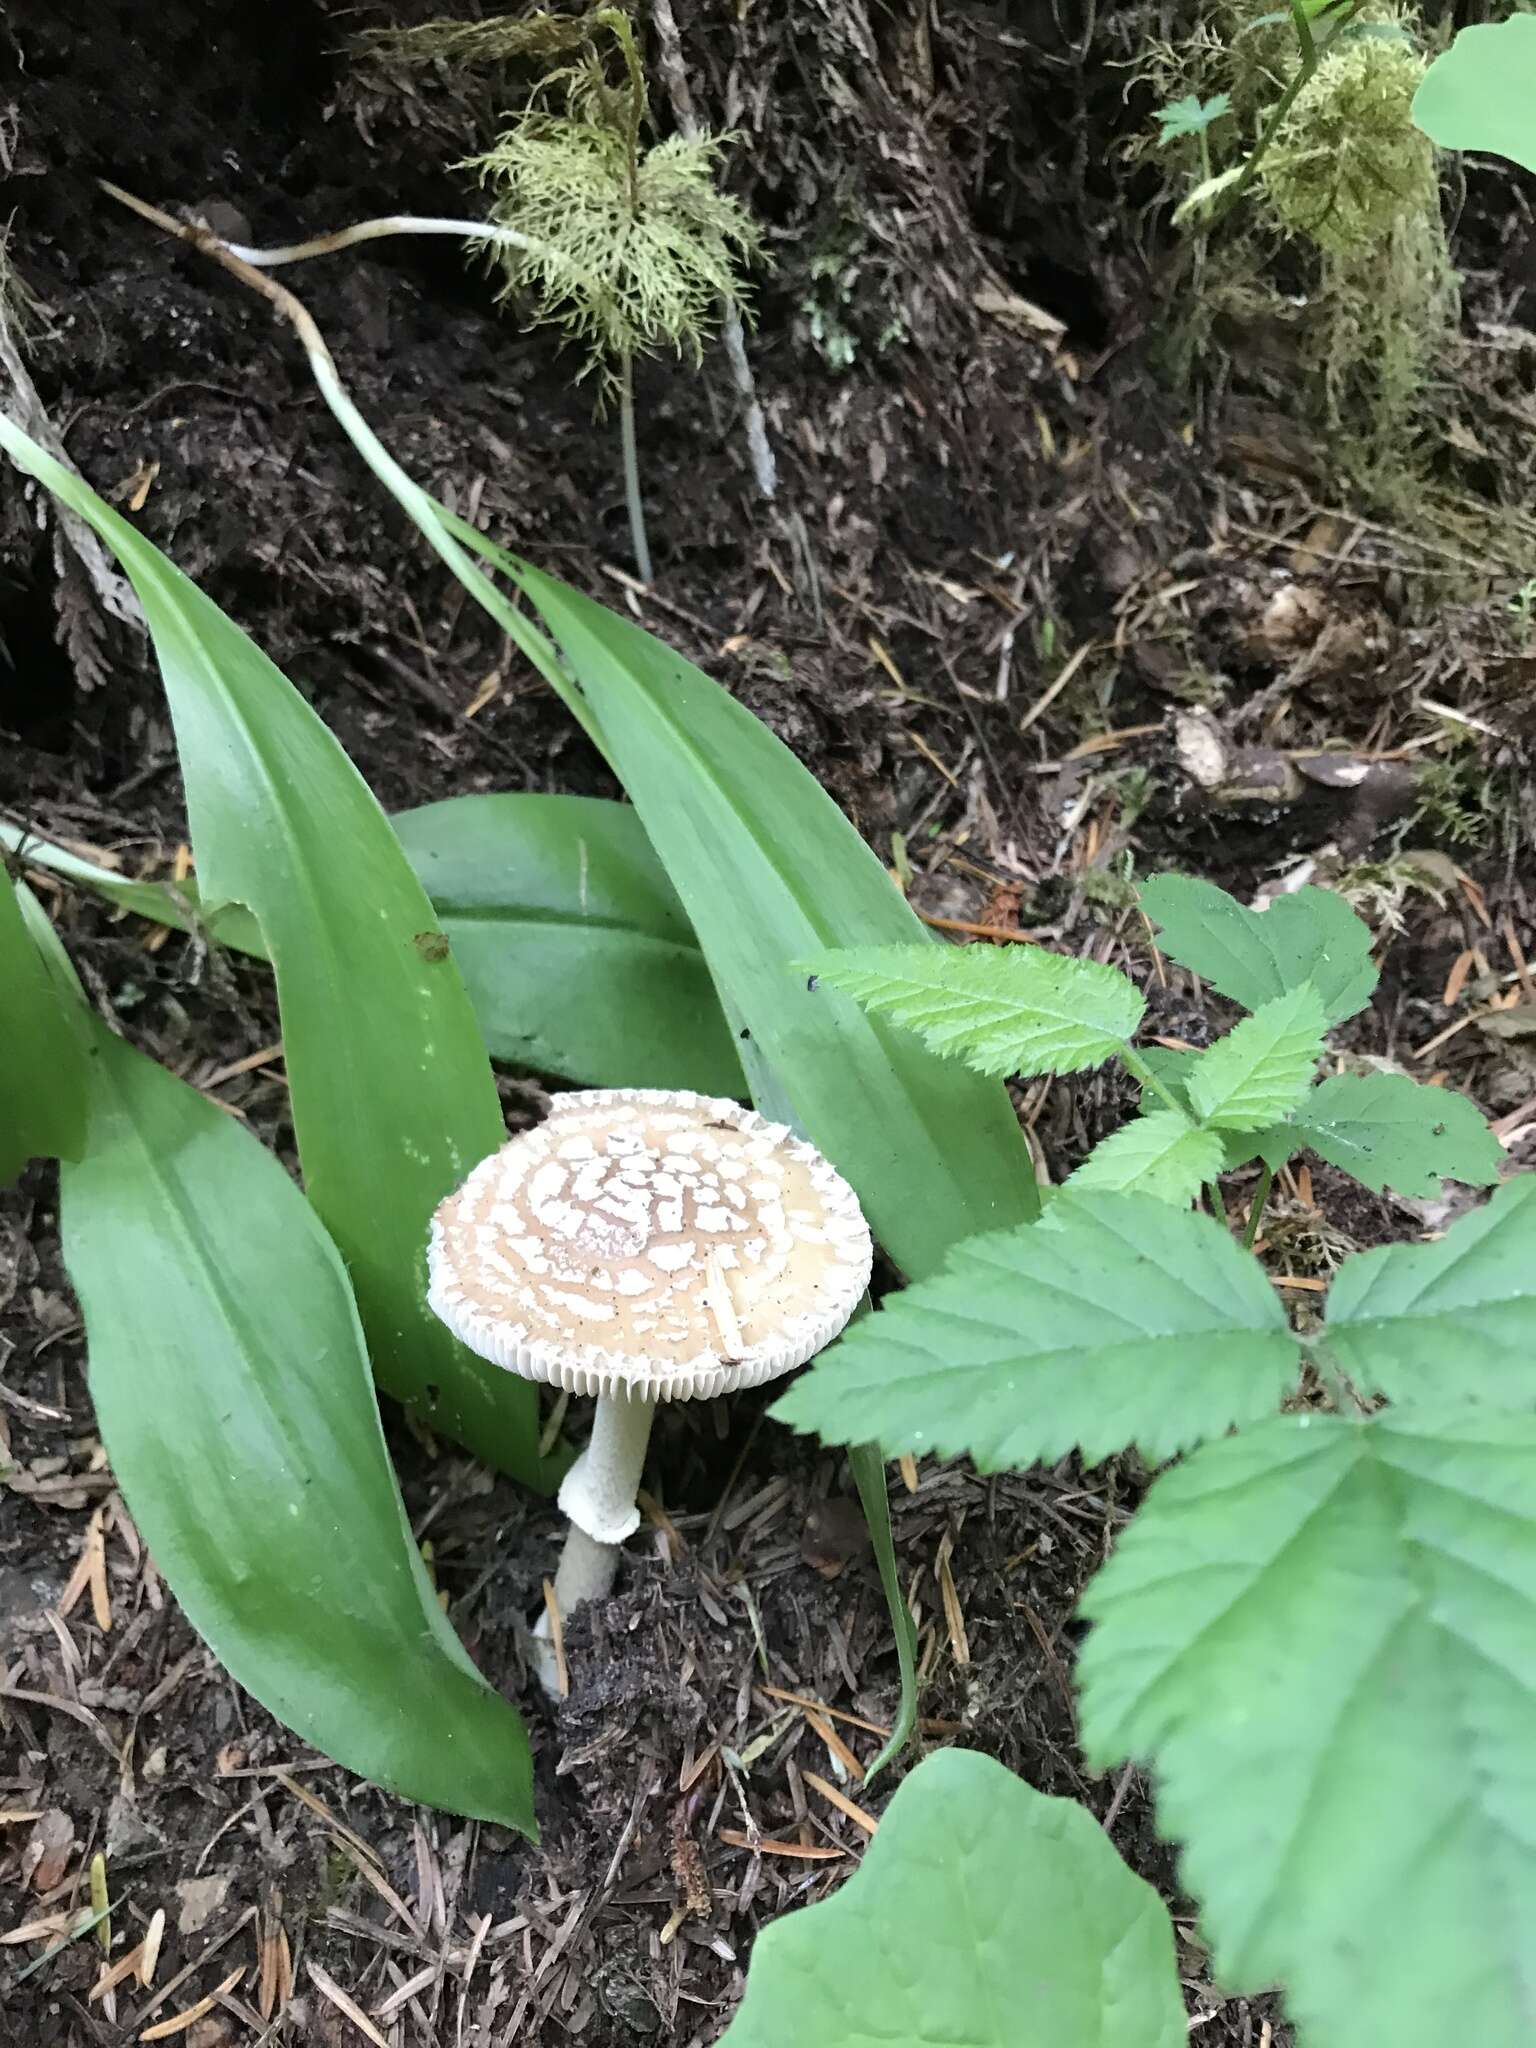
(1030, 611)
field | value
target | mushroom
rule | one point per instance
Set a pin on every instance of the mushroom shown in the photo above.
(644, 1245)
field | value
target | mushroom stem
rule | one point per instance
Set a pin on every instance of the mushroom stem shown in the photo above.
(598, 1497)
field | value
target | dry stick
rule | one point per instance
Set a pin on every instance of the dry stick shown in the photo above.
(669, 59)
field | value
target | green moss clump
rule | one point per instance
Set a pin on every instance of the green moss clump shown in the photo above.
(634, 249)
(1348, 164)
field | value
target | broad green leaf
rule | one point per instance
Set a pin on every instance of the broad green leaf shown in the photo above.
(1390, 1131)
(1255, 955)
(1481, 92)
(393, 1098)
(1190, 116)
(1114, 1320)
(768, 869)
(1002, 1009)
(1275, 1144)
(1160, 1154)
(1322, 1636)
(1452, 1321)
(231, 1388)
(756, 827)
(1262, 1068)
(42, 1069)
(983, 1914)
(1172, 1067)
(572, 945)
(769, 872)
(576, 953)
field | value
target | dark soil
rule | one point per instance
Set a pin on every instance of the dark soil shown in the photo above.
(967, 510)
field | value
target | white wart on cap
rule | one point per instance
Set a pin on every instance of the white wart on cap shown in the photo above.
(650, 1243)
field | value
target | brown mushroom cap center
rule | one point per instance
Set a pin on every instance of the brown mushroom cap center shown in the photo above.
(666, 1234)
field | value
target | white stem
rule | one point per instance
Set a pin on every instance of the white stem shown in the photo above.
(586, 1572)
(598, 1495)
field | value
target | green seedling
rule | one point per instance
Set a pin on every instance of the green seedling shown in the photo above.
(1320, 1630)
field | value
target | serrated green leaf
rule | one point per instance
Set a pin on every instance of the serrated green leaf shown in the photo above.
(1449, 1321)
(1322, 1635)
(1116, 1319)
(42, 1069)
(1390, 1131)
(1160, 1154)
(1262, 1068)
(1172, 1067)
(1274, 1145)
(1190, 116)
(1001, 1009)
(983, 1913)
(1479, 94)
(1254, 956)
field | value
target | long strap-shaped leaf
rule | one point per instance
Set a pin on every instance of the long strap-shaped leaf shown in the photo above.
(574, 949)
(231, 1385)
(952, 1161)
(770, 871)
(393, 1098)
(42, 1075)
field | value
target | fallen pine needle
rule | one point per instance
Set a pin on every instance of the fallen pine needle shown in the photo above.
(149, 1953)
(808, 1852)
(998, 933)
(557, 1640)
(181, 2021)
(798, 1699)
(252, 1060)
(329, 1988)
(840, 1751)
(113, 1974)
(841, 1801)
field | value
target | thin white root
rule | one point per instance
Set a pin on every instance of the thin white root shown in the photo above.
(386, 225)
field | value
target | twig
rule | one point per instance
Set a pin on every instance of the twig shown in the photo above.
(669, 60)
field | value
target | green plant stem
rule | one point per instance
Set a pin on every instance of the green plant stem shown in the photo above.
(1281, 108)
(868, 1467)
(443, 531)
(632, 471)
(1256, 1213)
(1137, 1067)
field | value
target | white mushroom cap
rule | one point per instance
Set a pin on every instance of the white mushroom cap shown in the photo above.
(652, 1242)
